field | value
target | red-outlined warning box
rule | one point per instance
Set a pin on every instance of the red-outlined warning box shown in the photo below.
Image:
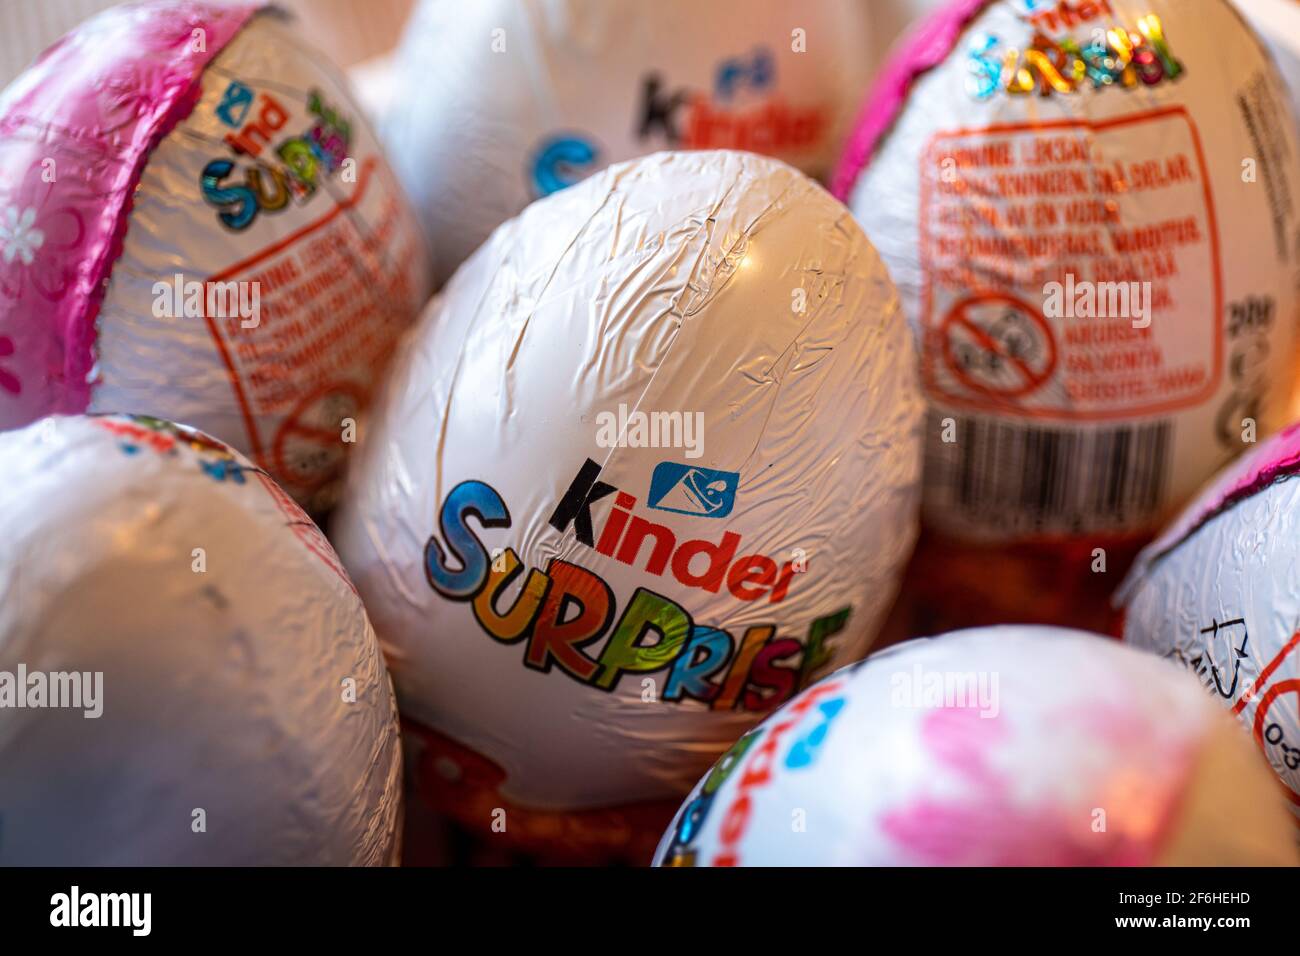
(1119, 215)
(329, 317)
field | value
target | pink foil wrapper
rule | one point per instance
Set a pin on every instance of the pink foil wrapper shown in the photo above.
(99, 100)
(163, 148)
(926, 46)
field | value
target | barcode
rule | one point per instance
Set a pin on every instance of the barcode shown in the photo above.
(1022, 477)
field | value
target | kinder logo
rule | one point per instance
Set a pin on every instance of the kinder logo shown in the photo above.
(568, 618)
(717, 122)
(625, 535)
(690, 119)
(689, 490)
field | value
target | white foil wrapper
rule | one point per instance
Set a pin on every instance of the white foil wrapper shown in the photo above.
(600, 616)
(1219, 592)
(217, 239)
(499, 102)
(231, 704)
(1278, 23)
(1094, 235)
(1006, 746)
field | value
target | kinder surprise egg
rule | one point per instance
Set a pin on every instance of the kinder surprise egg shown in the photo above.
(1004, 746)
(195, 222)
(186, 674)
(1090, 210)
(647, 466)
(1219, 592)
(499, 102)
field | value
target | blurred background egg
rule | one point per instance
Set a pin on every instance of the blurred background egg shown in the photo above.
(647, 466)
(196, 222)
(1219, 592)
(493, 104)
(187, 676)
(1089, 210)
(1007, 746)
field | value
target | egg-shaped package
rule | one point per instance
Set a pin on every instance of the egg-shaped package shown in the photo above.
(1000, 746)
(187, 675)
(196, 223)
(499, 102)
(1219, 592)
(647, 466)
(1091, 210)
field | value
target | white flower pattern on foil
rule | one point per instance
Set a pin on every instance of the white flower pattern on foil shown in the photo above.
(18, 236)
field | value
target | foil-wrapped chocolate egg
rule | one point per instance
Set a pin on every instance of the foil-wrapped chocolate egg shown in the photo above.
(1089, 209)
(196, 223)
(646, 467)
(1006, 746)
(187, 676)
(499, 102)
(1219, 592)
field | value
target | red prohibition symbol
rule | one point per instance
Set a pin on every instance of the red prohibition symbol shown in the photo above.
(312, 433)
(997, 345)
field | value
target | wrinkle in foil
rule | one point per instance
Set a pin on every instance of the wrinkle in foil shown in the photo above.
(707, 251)
(223, 686)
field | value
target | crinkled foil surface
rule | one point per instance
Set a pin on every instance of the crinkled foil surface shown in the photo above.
(498, 102)
(725, 287)
(208, 233)
(1014, 164)
(1219, 593)
(1009, 746)
(226, 634)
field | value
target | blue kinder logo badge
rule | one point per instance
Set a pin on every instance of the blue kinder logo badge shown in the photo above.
(234, 104)
(689, 490)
